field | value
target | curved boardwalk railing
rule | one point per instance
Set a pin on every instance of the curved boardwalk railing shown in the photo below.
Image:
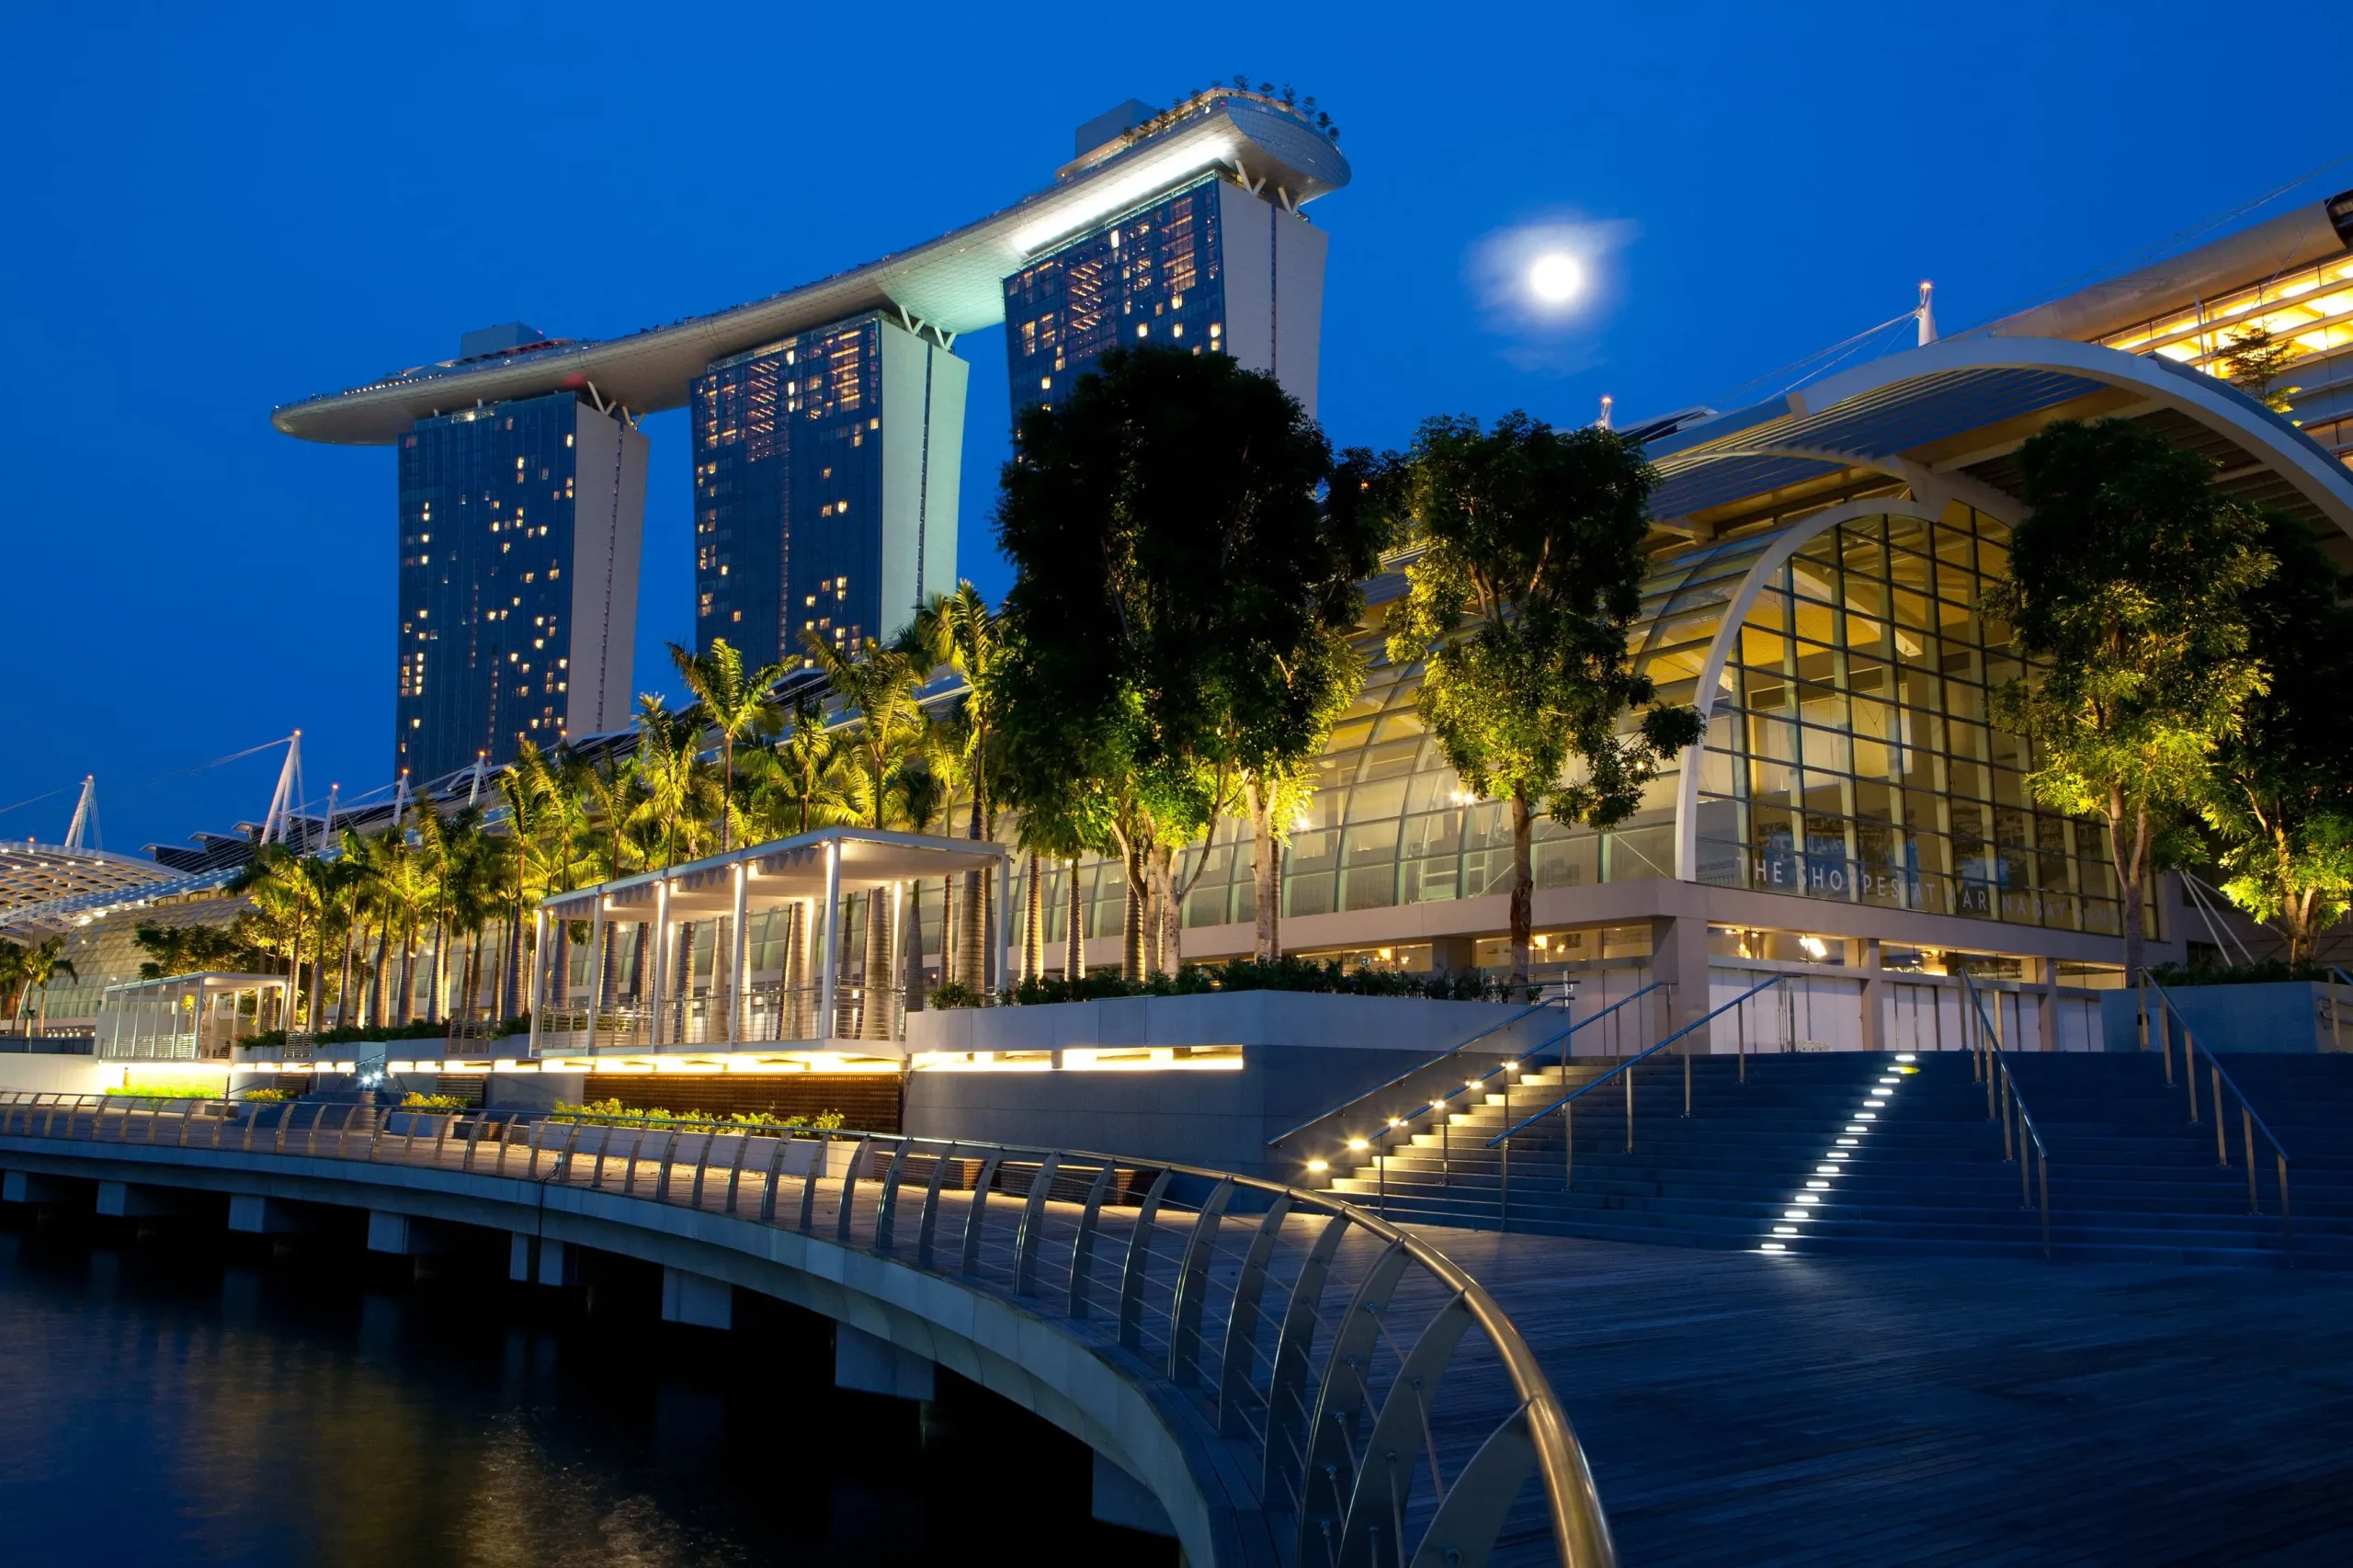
(1378, 1404)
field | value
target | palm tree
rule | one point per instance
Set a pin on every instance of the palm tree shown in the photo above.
(677, 783)
(734, 704)
(960, 631)
(878, 683)
(38, 964)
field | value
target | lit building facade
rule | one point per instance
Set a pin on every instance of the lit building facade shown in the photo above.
(826, 487)
(1213, 267)
(519, 534)
(1851, 819)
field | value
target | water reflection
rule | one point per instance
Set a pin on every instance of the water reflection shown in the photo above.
(166, 1405)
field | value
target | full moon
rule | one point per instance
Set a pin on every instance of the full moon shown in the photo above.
(1556, 278)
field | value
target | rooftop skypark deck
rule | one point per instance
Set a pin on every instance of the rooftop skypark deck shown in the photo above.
(950, 286)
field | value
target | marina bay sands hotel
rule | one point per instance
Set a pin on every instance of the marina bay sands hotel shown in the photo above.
(827, 422)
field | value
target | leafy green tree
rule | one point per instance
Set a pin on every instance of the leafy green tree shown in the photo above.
(2126, 588)
(2254, 361)
(1518, 608)
(1176, 634)
(2279, 797)
(738, 706)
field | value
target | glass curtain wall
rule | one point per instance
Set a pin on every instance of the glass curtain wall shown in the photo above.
(1850, 757)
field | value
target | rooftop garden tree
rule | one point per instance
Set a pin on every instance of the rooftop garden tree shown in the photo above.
(1518, 608)
(1185, 581)
(2127, 589)
(2278, 801)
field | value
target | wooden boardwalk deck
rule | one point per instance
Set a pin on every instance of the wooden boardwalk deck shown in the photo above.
(1744, 1409)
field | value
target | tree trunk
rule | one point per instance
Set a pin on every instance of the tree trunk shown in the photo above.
(1265, 873)
(1167, 946)
(376, 974)
(1131, 919)
(1073, 931)
(1523, 882)
(794, 976)
(2130, 856)
(874, 988)
(408, 1009)
(972, 928)
(1033, 924)
(434, 976)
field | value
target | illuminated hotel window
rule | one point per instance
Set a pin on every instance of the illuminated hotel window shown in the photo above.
(785, 463)
(1064, 307)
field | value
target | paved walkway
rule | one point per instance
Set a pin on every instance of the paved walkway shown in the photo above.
(1742, 1409)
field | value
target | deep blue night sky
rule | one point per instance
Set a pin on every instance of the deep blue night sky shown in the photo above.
(210, 214)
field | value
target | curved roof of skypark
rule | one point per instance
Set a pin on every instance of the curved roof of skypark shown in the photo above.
(954, 283)
(1949, 418)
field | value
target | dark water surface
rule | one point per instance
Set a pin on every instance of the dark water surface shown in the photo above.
(172, 1399)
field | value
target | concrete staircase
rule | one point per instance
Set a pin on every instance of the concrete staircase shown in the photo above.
(1921, 1174)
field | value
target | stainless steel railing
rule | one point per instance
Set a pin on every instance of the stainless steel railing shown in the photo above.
(1624, 1074)
(1381, 1405)
(2250, 1121)
(1377, 1133)
(1990, 1066)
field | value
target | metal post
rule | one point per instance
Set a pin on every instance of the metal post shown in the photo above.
(739, 954)
(536, 1000)
(832, 944)
(663, 937)
(2247, 1132)
(2287, 1216)
(1004, 954)
(1627, 1073)
(595, 971)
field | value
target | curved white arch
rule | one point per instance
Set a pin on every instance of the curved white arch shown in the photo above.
(2220, 406)
(1777, 555)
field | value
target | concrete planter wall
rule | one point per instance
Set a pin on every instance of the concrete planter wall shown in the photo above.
(1302, 1054)
(1240, 1017)
(2287, 1016)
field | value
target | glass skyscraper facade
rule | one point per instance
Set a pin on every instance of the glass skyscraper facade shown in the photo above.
(1152, 274)
(825, 491)
(518, 549)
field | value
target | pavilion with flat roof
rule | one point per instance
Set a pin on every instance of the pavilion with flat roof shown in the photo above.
(810, 997)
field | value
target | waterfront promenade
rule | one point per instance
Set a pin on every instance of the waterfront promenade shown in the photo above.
(1734, 1407)
(1744, 1409)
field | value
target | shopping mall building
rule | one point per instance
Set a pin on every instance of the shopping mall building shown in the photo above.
(1851, 817)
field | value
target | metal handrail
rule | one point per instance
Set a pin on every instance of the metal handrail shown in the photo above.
(1447, 1055)
(1631, 1062)
(1988, 1063)
(1299, 1406)
(2250, 1120)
